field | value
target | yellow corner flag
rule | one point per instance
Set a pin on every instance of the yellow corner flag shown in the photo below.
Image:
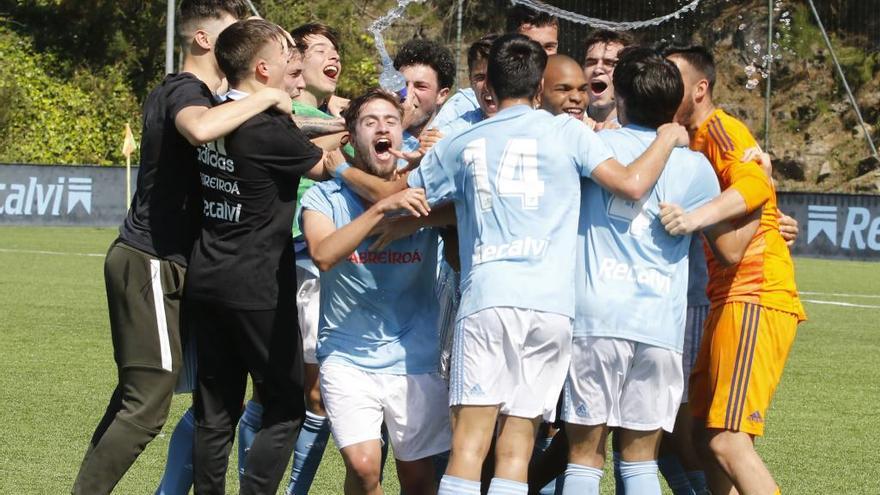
(128, 145)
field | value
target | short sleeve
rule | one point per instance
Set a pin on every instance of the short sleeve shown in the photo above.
(188, 91)
(702, 186)
(274, 142)
(431, 176)
(589, 150)
(463, 101)
(316, 199)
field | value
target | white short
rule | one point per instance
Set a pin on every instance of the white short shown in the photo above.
(622, 383)
(693, 336)
(413, 408)
(308, 311)
(515, 358)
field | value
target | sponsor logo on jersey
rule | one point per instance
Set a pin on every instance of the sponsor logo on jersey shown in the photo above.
(385, 257)
(611, 269)
(860, 231)
(518, 249)
(213, 154)
(221, 210)
(36, 198)
(218, 184)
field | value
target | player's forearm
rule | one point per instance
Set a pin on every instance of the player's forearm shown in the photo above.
(314, 127)
(216, 122)
(728, 242)
(321, 170)
(728, 205)
(370, 187)
(344, 241)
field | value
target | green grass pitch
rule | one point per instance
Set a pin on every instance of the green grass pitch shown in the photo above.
(57, 373)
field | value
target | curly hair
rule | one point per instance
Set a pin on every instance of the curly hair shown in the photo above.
(430, 53)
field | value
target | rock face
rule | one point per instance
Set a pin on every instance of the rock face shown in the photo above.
(814, 138)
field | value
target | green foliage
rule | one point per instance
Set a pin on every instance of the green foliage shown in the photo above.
(47, 119)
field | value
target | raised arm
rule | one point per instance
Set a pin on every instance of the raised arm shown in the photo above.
(314, 127)
(634, 181)
(329, 245)
(200, 125)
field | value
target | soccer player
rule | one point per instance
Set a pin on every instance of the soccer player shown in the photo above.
(240, 285)
(600, 56)
(755, 308)
(626, 368)
(470, 105)
(378, 334)
(565, 87)
(146, 264)
(516, 227)
(429, 70)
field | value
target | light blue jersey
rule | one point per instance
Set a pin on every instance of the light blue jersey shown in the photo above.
(378, 309)
(515, 182)
(462, 102)
(632, 275)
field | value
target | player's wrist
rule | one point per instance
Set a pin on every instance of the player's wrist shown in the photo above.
(338, 170)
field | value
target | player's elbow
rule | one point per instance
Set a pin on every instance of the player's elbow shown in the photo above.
(323, 263)
(630, 191)
(729, 255)
(197, 135)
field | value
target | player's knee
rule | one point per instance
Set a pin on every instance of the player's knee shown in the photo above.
(364, 469)
(726, 445)
(147, 397)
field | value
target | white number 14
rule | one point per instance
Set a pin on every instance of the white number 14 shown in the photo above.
(517, 173)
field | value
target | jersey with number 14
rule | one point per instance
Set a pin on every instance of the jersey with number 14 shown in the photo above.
(515, 182)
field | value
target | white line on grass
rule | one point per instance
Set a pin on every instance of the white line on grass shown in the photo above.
(838, 294)
(54, 253)
(836, 303)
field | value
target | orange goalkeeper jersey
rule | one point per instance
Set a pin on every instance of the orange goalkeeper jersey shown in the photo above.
(765, 275)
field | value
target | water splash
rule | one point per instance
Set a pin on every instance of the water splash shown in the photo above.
(759, 65)
(602, 23)
(390, 79)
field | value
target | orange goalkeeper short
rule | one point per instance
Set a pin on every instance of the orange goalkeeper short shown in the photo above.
(741, 358)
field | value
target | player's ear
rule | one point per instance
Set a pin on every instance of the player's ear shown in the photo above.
(262, 68)
(701, 90)
(202, 39)
(442, 95)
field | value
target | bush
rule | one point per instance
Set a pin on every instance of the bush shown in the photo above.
(45, 119)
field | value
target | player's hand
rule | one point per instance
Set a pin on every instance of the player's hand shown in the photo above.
(392, 229)
(756, 154)
(280, 99)
(428, 138)
(412, 200)
(675, 131)
(675, 220)
(413, 158)
(336, 104)
(788, 227)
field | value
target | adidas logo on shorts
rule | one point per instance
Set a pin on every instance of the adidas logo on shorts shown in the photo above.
(581, 411)
(476, 391)
(755, 417)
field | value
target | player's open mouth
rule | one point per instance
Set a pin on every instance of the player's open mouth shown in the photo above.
(575, 112)
(382, 147)
(490, 102)
(331, 71)
(598, 87)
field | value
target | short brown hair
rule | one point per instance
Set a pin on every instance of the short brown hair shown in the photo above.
(300, 34)
(238, 45)
(520, 15)
(479, 50)
(353, 112)
(607, 36)
(192, 12)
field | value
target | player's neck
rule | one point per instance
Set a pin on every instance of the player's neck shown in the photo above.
(602, 115)
(512, 102)
(204, 66)
(702, 114)
(249, 86)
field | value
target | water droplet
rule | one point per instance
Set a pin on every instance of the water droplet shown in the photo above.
(742, 27)
(752, 84)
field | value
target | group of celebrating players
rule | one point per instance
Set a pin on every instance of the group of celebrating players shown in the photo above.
(479, 280)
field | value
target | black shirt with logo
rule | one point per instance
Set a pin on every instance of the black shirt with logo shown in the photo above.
(163, 219)
(243, 257)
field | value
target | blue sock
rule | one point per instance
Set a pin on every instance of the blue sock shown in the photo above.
(307, 453)
(619, 489)
(698, 482)
(640, 477)
(450, 485)
(178, 477)
(581, 480)
(501, 486)
(250, 423)
(675, 476)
